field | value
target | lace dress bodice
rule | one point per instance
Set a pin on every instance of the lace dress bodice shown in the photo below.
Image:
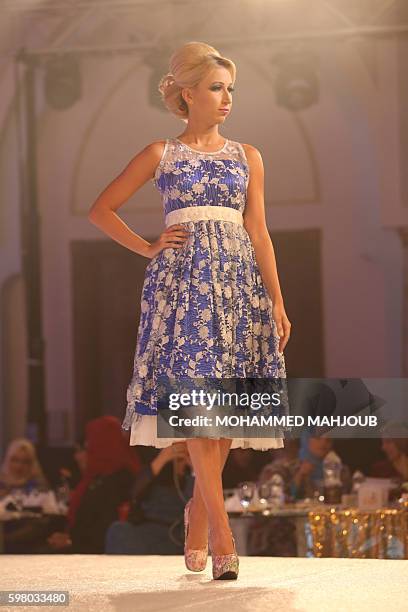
(186, 177)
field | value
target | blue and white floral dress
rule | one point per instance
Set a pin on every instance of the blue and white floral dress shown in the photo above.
(205, 310)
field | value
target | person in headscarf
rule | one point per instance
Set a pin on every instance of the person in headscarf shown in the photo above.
(21, 469)
(109, 472)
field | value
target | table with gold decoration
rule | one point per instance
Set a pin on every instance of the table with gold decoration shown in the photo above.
(322, 530)
(360, 534)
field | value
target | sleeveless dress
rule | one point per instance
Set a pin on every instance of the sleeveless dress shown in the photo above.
(205, 310)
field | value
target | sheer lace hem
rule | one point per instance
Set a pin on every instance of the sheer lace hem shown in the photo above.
(144, 433)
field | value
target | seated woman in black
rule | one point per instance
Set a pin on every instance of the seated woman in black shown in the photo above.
(155, 520)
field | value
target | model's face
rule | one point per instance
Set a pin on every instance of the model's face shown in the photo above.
(211, 95)
(20, 464)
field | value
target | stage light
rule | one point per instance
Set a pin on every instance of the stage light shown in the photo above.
(62, 82)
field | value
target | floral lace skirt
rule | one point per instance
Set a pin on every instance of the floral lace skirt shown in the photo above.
(205, 311)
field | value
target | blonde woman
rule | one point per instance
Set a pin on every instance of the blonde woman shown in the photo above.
(21, 469)
(211, 300)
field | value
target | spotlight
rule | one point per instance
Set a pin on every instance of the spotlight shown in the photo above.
(62, 82)
(296, 86)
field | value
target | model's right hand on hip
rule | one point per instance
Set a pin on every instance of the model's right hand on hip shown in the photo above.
(174, 236)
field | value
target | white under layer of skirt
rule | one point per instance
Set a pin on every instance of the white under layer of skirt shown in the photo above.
(144, 432)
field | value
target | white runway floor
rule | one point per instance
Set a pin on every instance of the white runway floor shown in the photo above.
(105, 583)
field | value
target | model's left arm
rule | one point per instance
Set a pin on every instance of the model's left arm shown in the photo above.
(255, 225)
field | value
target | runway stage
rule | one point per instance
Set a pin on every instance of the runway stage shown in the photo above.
(125, 583)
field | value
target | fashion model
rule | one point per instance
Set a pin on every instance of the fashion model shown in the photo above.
(211, 301)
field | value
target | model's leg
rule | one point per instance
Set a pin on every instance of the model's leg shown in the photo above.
(198, 530)
(205, 457)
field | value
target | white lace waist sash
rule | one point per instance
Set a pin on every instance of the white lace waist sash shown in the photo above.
(201, 213)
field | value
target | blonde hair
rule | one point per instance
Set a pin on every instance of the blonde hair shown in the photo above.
(187, 67)
(35, 471)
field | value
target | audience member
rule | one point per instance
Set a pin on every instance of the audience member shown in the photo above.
(155, 521)
(21, 469)
(303, 475)
(20, 476)
(396, 463)
(110, 469)
(243, 464)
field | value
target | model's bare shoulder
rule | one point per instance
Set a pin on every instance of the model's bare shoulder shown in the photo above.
(254, 158)
(156, 147)
(153, 153)
(250, 150)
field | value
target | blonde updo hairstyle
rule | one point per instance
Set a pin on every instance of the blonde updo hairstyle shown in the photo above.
(187, 67)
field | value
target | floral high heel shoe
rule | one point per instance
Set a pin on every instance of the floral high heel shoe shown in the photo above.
(225, 567)
(195, 559)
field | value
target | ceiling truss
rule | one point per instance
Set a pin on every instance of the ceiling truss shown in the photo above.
(255, 22)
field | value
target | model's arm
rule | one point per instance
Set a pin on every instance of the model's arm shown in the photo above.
(103, 211)
(255, 225)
